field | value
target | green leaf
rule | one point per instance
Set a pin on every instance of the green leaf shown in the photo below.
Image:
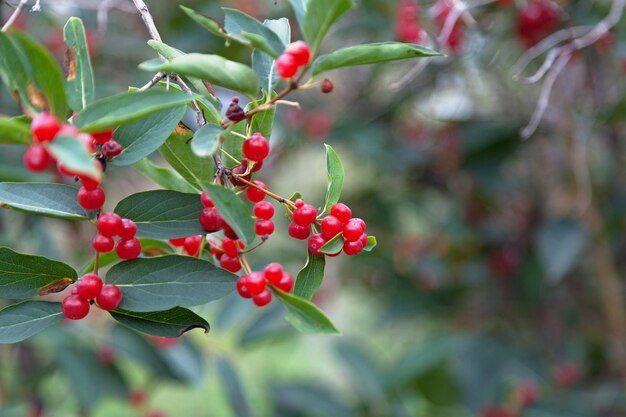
(196, 170)
(304, 315)
(46, 74)
(170, 323)
(335, 173)
(124, 108)
(205, 140)
(21, 321)
(14, 69)
(14, 131)
(310, 277)
(373, 53)
(206, 22)
(334, 245)
(299, 9)
(236, 213)
(248, 30)
(165, 177)
(371, 243)
(163, 214)
(53, 200)
(212, 68)
(263, 64)
(71, 152)
(79, 80)
(263, 121)
(320, 15)
(155, 284)
(560, 243)
(139, 139)
(233, 144)
(23, 276)
(235, 392)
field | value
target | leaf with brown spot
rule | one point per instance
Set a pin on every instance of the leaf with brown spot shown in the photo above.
(37, 98)
(181, 129)
(56, 286)
(80, 84)
(69, 65)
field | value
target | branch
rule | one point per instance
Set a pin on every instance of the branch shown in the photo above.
(14, 15)
(147, 19)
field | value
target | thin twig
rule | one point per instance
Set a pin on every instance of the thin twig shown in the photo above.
(157, 77)
(276, 197)
(199, 115)
(14, 15)
(147, 19)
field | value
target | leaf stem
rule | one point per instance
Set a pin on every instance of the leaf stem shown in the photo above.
(96, 262)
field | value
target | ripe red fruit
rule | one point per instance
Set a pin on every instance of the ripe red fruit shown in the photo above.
(285, 283)
(137, 398)
(128, 230)
(263, 210)
(342, 212)
(228, 231)
(37, 158)
(178, 242)
(273, 272)
(89, 286)
(256, 167)
(109, 298)
(298, 232)
(102, 244)
(315, 243)
(300, 52)
(305, 215)
(210, 219)
(299, 203)
(364, 240)
(128, 248)
(352, 248)
(327, 86)
(331, 227)
(535, 21)
(455, 38)
(255, 281)
(352, 230)
(109, 224)
(192, 245)
(240, 170)
(256, 147)
(286, 66)
(102, 137)
(230, 263)
(242, 287)
(255, 195)
(527, 393)
(263, 227)
(230, 247)
(75, 307)
(262, 299)
(206, 200)
(88, 183)
(91, 199)
(359, 221)
(44, 127)
(111, 149)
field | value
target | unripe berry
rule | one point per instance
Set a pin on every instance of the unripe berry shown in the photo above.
(263, 210)
(286, 66)
(178, 242)
(273, 272)
(285, 283)
(352, 230)
(342, 212)
(206, 200)
(102, 137)
(256, 148)
(255, 195)
(300, 52)
(331, 227)
(242, 287)
(263, 227)
(262, 299)
(298, 232)
(352, 248)
(44, 127)
(234, 111)
(327, 86)
(91, 199)
(210, 219)
(315, 243)
(305, 215)
(128, 248)
(192, 245)
(37, 158)
(128, 230)
(89, 286)
(75, 307)
(111, 149)
(230, 263)
(109, 298)
(102, 244)
(109, 224)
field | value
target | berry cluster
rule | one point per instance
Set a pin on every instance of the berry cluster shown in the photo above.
(297, 54)
(90, 287)
(408, 27)
(254, 285)
(190, 244)
(227, 254)
(111, 225)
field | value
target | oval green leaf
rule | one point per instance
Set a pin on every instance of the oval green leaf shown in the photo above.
(170, 323)
(21, 321)
(304, 315)
(334, 245)
(44, 199)
(165, 177)
(236, 213)
(319, 16)
(335, 174)
(310, 277)
(248, 30)
(14, 131)
(205, 140)
(79, 80)
(196, 170)
(71, 152)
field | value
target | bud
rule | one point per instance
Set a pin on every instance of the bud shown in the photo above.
(234, 111)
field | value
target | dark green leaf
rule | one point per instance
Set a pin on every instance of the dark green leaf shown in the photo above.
(335, 173)
(165, 177)
(234, 390)
(334, 245)
(156, 284)
(236, 213)
(560, 243)
(233, 144)
(79, 79)
(14, 131)
(263, 121)
(163, 214)
(304, 315)
(373, 53)
(196, 170)
(21, 321)
(71, 152)
(205, 140)
(263, 64)
(22, 276)
(146, 135)
(169, 323)
(310, 277)
(186, 360)
(53, 200)
(240, 26)
(299, 9)
(14, 69)
(206, 22)
(114, 111)
(371, 243)
(320, 15)
(212, 68)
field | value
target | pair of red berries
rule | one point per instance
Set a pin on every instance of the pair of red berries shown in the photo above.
(228, 253)
(254, 285)
(190, 244)
(408, 28)
(111, 225)
(263, 211)
(297, 54)
(90, 287)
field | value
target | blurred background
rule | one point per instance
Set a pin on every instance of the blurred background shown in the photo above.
(496, 289)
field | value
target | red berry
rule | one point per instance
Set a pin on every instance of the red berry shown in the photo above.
(300, 52)
(210, 219)
(75, 307)
(299, 203)
(206, 200)
(230, 263)
(286, 66)
(364, 240)
(285, 283)
(230, 247)
(327, 86)
(262, 299)
(352, 230)
(89, 286)
(88, 183)
(263, 210)
(192, 245)
(37, 158)
(110, 297)
(256, 167)
(305, 215)
(298, 232)
(331, 227)
(255, 195)
(342, 212)
(273, 272)
(102, 137)
(44, 127)
(109, 224)
(137, 398)
(91, 199)
(217, 252)
(263, 227)
(255, 282)
(68, 130)
(536, 20)
(256, 148)
(128, 230)
(102, 244)
(228, 231)
(178, 242)
(352, 248)
(128, 248)
(527, 393)
(315, 243)
(359, 221)
(240, 170)
(111, 149)
(242, 287)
